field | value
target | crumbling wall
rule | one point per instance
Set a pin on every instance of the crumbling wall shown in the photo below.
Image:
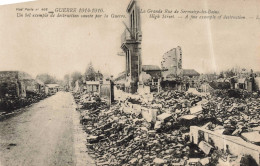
(234, 145)
(13, 87)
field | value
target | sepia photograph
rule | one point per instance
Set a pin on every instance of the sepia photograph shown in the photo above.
(129, 83)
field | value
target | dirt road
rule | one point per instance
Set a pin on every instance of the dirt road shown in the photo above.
(48, 133)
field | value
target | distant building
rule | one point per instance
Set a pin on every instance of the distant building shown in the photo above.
(131, 45)
(150, 78)
(154, 71)
(248, 84)
(155, 76)
(190, 78)
(190, 73)
(172, 63)
(92, 86)
(40, 86)
(51, 89)
(209, 77)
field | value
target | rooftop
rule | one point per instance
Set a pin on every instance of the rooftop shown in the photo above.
(150, 67)
(190, 72)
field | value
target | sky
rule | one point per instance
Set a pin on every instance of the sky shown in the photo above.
(59, 46)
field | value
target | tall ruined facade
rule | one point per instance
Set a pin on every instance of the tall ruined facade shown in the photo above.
(172, 63)
(131, 45)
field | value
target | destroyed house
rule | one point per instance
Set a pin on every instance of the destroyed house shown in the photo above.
(191, 78)
(248, 83)
(12, 84)
(154, 71)
(32, 85)
(241, 83)
(171, 81)
(150, 76)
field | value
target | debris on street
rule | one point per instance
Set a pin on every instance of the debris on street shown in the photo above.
(154, 130)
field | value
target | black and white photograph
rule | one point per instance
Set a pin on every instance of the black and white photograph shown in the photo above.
(129, 83)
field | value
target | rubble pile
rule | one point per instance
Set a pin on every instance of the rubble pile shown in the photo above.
(131, 132)
(11, 103)
(88, 100)
(165, 110)
(117, 138)
(236, 115)
(175, 101)
(235, 93)
(177, 105)
(154, 129)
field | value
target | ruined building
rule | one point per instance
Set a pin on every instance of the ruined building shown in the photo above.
(131, 45)
(172, 63)
(13, 84)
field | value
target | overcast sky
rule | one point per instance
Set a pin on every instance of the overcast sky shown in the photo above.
(61, 45)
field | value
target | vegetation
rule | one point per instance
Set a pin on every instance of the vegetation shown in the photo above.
(47, 79)
(75, 76)
(90, 73)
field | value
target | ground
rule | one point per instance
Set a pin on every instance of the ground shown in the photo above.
(47, 133)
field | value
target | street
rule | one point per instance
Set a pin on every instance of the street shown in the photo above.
(47, 133)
